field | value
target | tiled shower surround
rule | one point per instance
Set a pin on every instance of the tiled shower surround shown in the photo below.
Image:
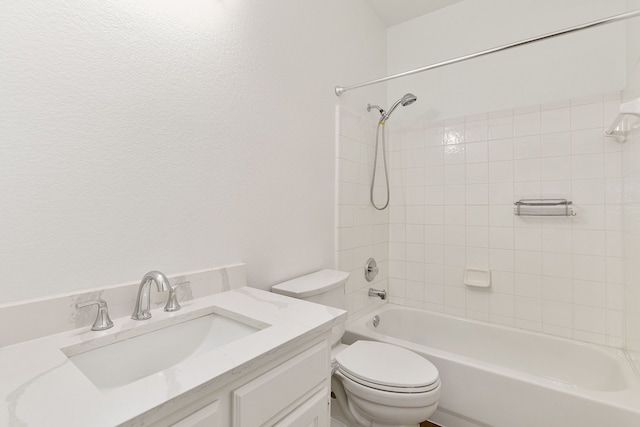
(362, 232)
(631, 224)
(453, 185)
(631, 238)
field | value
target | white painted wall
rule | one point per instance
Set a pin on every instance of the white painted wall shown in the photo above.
(172, 135)
(589, 62)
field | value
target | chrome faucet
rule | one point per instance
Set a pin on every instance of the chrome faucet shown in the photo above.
(378, 293)
(143, 301)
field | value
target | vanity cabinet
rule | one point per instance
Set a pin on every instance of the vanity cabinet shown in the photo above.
(290, 391)
(271, 396)
(209, 415)
(312, 413)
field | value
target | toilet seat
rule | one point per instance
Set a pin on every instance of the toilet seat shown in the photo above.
(383, 387)
(387, 367)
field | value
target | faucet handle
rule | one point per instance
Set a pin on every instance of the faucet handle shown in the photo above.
(103, 321)
(172, 301)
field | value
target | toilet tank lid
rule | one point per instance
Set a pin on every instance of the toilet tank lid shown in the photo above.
(311, 284)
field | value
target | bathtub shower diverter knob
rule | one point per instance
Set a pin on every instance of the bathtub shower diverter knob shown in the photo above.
(370, 270)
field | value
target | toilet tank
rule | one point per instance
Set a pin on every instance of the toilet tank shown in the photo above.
(326, 287)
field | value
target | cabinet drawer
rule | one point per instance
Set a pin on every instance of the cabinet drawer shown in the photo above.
(260, 400)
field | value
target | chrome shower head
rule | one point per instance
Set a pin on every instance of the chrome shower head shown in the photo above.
(408, 99)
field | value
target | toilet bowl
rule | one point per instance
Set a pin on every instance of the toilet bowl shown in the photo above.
(376, 384)
(387, 385)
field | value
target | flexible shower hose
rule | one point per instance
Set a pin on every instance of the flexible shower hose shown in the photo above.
(375, 164)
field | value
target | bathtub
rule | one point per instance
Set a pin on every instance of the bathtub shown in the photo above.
(504, 377)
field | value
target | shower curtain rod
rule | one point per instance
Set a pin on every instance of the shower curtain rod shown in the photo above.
(616, 18)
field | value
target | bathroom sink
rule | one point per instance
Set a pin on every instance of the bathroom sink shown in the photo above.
(134, 357)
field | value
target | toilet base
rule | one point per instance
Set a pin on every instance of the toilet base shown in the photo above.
(338, 417)
(336, 423)
(362, 412)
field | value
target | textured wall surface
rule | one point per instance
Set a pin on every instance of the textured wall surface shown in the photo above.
(172, 135)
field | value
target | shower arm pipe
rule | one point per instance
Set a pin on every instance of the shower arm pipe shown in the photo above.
(616, 18)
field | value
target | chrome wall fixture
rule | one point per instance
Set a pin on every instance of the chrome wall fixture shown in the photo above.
(543, 207)
(407, 99)
(380, 293)
(631, 108)
(370, 270)
(339, 90)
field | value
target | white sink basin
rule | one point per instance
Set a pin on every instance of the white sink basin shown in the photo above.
(132, 358)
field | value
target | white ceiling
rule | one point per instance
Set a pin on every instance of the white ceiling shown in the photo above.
(393, 12)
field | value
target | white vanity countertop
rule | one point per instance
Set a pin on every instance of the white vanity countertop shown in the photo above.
(40, 386)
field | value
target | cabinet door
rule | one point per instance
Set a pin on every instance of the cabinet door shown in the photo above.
(277, 392)
(204, 417)
(312, 413)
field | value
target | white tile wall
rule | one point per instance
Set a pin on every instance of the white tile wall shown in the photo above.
(454, 184)
(630, 235)
(363, 232)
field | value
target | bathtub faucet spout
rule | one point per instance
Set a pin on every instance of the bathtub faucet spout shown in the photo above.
(378, 293)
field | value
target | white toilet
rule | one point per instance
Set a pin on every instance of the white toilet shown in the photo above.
(376, 384)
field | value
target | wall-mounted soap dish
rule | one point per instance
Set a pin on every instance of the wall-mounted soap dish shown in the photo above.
(477, 278)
